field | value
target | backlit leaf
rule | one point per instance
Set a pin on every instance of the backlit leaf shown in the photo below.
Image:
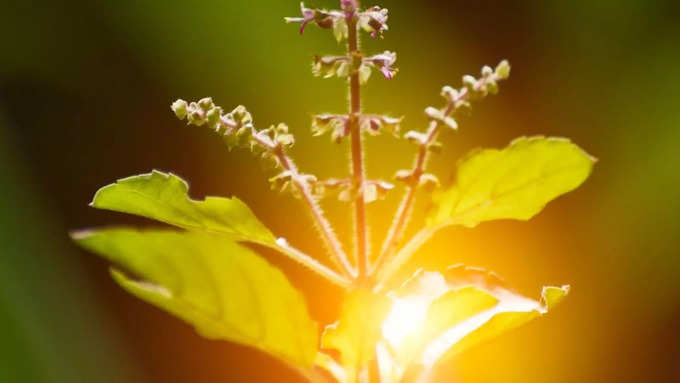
(164, 197)
(511, 183)
(435, 316)
(222, 288)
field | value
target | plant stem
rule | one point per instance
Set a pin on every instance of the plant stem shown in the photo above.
(312, 264)
(358, 176)
(338, 255)
(403, 213)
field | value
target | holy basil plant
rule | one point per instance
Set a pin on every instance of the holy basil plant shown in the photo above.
(198, 268)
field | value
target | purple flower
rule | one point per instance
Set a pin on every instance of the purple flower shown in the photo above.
(384, 62)
(308, 15)
(323, 18)
(374, 20)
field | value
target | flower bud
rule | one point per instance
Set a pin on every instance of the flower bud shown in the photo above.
(285, 140)
(449, 93)
(404, 175)
(281, 181)
(503, 70)
(206, 104)
(416, 137)
(241, 115)
(197, 118)
(213, 117)
(179, 107)
(486, 71)
(469, 82)
(428, 182)
(434, 113)
(451, 122)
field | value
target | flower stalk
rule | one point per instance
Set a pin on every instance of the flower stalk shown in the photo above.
(457, 100)
(357, 155)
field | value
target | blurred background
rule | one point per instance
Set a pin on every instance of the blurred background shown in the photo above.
(85, 89)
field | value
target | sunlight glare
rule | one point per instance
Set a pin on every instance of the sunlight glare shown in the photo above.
(406, 317)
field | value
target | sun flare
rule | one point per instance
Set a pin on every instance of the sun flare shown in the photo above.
(405, 317)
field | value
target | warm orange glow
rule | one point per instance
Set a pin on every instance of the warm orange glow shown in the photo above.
(406, 317)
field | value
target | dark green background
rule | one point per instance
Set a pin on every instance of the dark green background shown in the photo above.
(84, 93)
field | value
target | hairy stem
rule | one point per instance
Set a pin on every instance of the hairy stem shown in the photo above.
(403, 213)
(338, 255)
(358, 176)
(312, 264)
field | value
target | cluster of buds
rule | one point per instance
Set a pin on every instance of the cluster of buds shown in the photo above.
(458, 100)
(457, 103)
(487, 83)
(289, 181)
(372, 20)
(343, 66)
(338, 125)
(423, 139)
(329, 66)
(236, 127)
(346, 191)
(427, 181)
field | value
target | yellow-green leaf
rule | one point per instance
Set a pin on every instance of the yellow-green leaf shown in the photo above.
(164, 197)
(222, 288)
(434, 316)
(511, 183)
(511, 311)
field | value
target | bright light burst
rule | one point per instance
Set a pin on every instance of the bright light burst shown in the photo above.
(406, 317)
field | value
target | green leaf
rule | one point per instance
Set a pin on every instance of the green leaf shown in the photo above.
(435, 316)
(512, 183)
(222, 288)
(164, 197)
